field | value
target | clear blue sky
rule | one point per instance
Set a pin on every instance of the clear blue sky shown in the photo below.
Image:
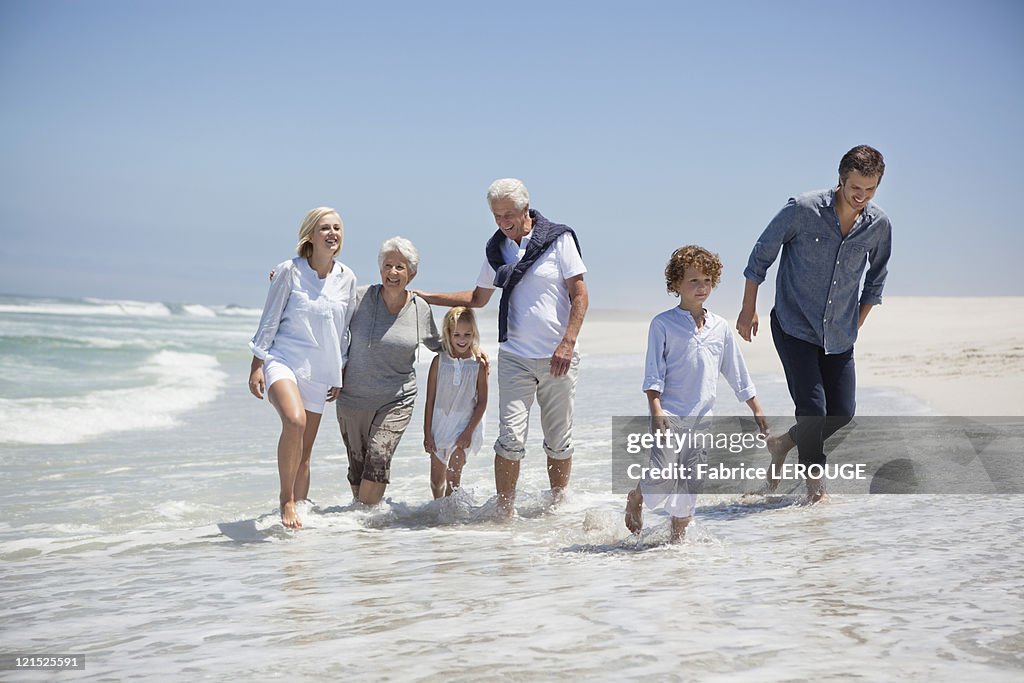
(168, 150)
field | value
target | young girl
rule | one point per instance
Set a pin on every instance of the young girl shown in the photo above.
(456, 399)
(687, 349)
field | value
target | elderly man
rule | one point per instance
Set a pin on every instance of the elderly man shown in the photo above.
(538, 266)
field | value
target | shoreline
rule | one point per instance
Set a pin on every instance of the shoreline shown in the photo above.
(962, 356)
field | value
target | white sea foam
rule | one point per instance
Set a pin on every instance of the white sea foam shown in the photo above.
(91, 307)
(237, 311)
(199, 310)
(178, 382)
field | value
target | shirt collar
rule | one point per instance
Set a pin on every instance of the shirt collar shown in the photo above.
(867, 214)
(689, 316)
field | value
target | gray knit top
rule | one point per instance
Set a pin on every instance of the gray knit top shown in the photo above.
(382, 350)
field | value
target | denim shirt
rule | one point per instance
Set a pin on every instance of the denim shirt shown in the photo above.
(820, 271)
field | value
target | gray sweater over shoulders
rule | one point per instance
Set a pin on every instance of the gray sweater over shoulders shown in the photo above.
(382, 350)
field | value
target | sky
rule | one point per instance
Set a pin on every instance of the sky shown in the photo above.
(168, 151)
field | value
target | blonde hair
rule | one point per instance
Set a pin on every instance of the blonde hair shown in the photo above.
(451, 320)
(305, 246)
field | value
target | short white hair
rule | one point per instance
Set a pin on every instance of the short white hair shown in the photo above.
(403, 247)
(509, 188)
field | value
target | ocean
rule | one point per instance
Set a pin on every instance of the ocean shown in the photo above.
(139, 530)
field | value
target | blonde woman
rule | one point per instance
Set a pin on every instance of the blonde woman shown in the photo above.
(297, 349)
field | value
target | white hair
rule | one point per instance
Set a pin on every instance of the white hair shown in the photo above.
(509, 188)
(403, 247)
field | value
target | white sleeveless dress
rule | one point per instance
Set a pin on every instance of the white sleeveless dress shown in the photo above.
(454, 403)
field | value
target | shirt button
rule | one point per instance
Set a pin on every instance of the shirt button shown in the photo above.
(835, 282)
(815, 239)
(830, 300)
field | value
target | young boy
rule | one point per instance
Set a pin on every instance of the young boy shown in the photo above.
(687, 348)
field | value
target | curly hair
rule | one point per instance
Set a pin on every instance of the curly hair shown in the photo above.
(691, 256)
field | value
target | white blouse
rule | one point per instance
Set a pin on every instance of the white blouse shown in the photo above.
(305, 320)
(683, 363)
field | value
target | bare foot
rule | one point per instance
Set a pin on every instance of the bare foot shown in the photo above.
(635, 511)
(558, 496)
(505, 509)
(289, 517)
(679, 525)
(779, 447)
(816, 494)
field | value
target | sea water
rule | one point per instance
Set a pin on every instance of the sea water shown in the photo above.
(139, 528)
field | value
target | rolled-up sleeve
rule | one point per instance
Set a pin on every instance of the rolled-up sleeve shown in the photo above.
(878, 267)
(273, 310)
(780, 230)
(734, 369)
(655, 365)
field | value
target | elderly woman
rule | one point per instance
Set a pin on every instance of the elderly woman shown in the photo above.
(296, 350)
(375, 404)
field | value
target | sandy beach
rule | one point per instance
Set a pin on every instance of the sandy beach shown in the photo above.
(962, 356)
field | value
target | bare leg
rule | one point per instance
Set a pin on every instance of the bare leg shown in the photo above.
(779, 447)
(355, 490)
(454, 471)
(635, 510)
(371, 492)
(558, 477)
(679, 525)
(301, 487)
(506, 475)
(437, 477)
(284, 396)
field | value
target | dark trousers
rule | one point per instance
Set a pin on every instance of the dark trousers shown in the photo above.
(823, 387)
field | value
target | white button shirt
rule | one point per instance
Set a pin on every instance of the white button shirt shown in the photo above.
(684, 363)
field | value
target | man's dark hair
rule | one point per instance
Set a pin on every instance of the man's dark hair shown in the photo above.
(865, 160)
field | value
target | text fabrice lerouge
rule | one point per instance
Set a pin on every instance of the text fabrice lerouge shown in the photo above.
(720, 471)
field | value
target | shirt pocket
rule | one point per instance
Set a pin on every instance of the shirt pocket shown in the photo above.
(310, 316)
(852, 256)
(547, 267)
(712, 350)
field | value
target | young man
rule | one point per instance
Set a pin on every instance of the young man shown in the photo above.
(827, 238)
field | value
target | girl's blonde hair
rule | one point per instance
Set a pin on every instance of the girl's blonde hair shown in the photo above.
(451, 320)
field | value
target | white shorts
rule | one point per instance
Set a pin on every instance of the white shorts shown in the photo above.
(313, 394)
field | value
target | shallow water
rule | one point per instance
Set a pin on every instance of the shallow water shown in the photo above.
(155, 549)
